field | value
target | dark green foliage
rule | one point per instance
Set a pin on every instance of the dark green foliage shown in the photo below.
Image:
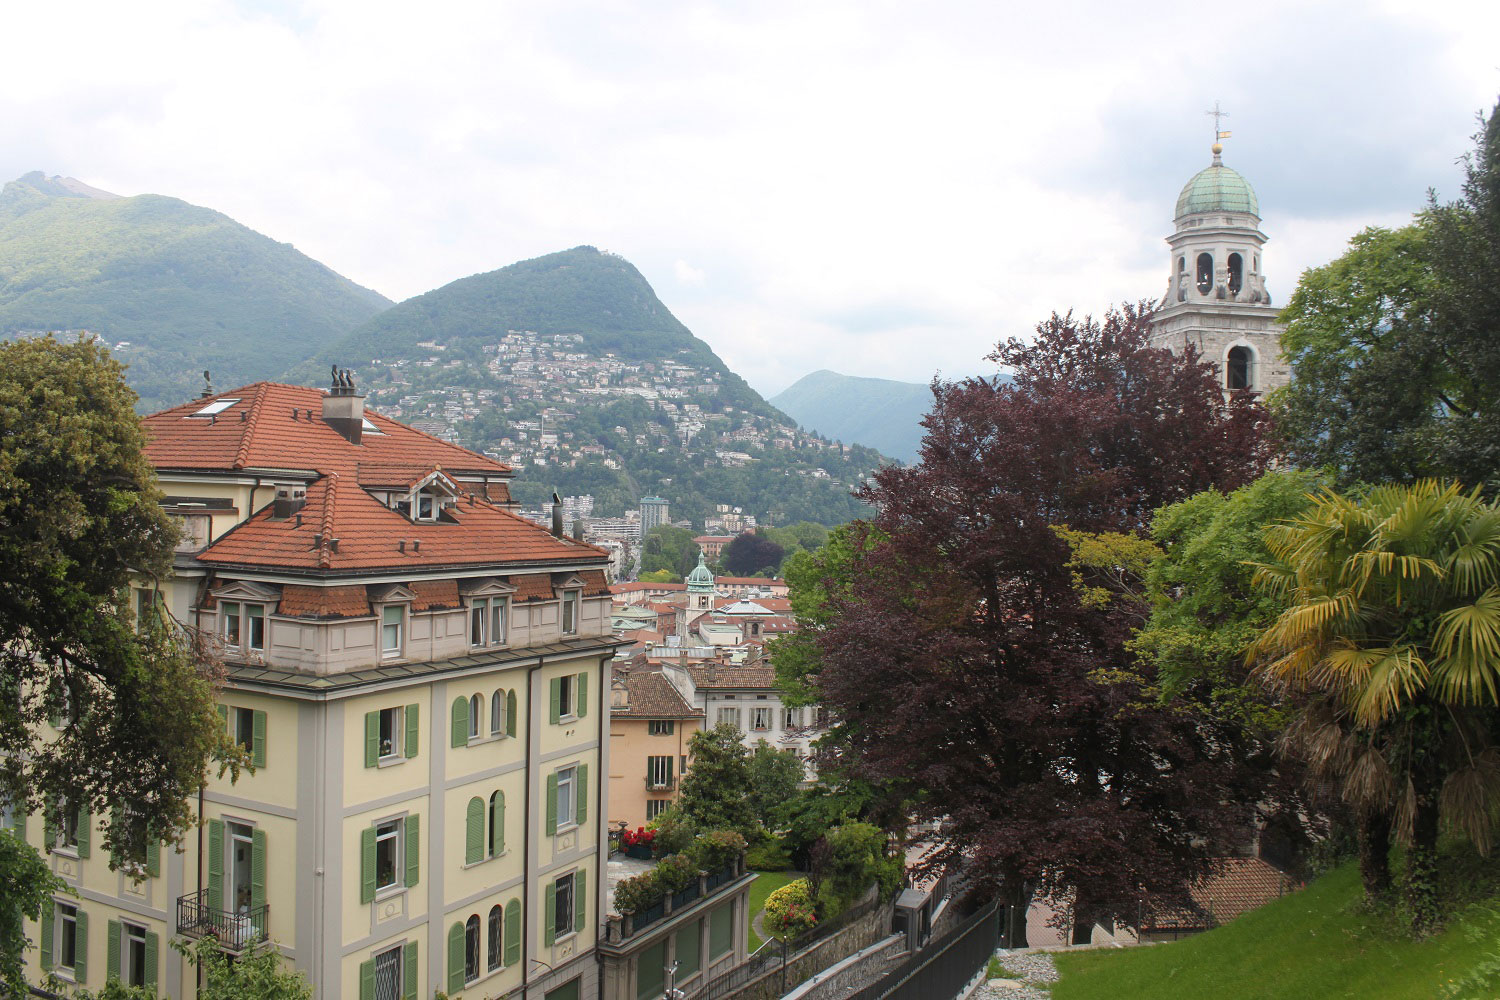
(189, 288)
(876, 412)
(775, 776)
(857, 854)
(817, 809)
(770, 856)
(809, 576)
(749, 554)
(674, 831)
(256, 974)
(669, 548)
(27, 883)
(713, 790)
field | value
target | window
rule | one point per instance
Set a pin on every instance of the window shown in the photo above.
(1237, 373)
(145, 602)
(134, 955)
(654, 808)
(570, 613)
(487, 621)
(67, 826)
(760, 718)
(471, 948)
(731, 716)
(1236, 273)
(388, 977)
(659, 772)
(476, 715)
(790, 719)
(390, 733)
(565, 695)
(566, 778)
(1205, 273)
(244, 626)
(687, 949)
(661, 727)
(497, 823)
(497, 714)
(497, 621)
(494, 950)
(216, 407)
(427, 507)
(230, 615)
(720, 932)
(392, 620)
(562, 922)
(387, 849)
(67, 938)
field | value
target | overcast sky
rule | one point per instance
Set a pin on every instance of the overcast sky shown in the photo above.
(879, 188)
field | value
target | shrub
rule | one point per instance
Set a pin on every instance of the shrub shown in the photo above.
(771, 856)
(789, 910)
(674, 832)
(639, 837)
(639, 892)
(856, 856)
(676, 872)
(716, 850)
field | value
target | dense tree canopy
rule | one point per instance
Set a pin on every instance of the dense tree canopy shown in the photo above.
(713, 789)
(963, 658)
(668, 547)
(750, 553)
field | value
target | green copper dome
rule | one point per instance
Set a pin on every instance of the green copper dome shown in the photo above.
(1217, 189)
(701, 576)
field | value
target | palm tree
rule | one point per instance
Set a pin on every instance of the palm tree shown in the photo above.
(1393, 625)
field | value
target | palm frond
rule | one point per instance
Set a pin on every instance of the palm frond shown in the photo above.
(1469, 796)
(1467, 641)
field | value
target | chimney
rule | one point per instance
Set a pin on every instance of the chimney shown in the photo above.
(289, 500)
(557, 516)
(343, 407)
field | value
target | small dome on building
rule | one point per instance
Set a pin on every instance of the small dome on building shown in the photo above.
(1217, 188)
(701, 576)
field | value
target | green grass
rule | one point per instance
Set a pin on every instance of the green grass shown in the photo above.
(1320, 942)
(998, 971)
(762, 887)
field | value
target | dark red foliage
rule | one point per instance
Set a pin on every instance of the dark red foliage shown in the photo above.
(964, 666)
(749, 552)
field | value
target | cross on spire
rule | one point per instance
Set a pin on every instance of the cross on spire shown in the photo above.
(1217, 116)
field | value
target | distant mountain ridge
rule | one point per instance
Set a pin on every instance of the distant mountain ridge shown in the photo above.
(878, 413)
(172, 287)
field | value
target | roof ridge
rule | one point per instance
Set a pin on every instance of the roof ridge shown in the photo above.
(242, 455)
(325, 556)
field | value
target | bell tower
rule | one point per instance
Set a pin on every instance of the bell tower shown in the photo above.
(1216, 296)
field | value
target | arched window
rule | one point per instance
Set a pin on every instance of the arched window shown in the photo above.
(1182, 265)
(476, 713)
(471, 949)
(497, 823)
(1236, 273)
(495, 948)
(1205, 273)
(1237, 374)
(497, 713)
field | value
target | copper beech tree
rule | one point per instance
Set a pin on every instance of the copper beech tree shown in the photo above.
(965, 665)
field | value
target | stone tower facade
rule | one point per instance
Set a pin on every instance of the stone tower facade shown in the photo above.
(1216, 297)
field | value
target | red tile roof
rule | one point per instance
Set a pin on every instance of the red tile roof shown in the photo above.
(1239, 885)
(718, 675)
(652, 696)
(435, 595)
(595, 583)
(323, 602)
(534, 587)
(342, 527)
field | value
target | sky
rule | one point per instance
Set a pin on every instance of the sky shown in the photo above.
(878, 188)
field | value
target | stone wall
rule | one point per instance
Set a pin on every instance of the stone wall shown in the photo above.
(818, 956)
(869, 965)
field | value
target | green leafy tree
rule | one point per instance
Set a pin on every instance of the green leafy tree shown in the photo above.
(28, 883)
(857, 855)
(667, 547)
(660, 576)
(256, 974)
(79, 511)
(810, 577)
(713, 789)
(775, 776)
(750, 553)
(1393, 621)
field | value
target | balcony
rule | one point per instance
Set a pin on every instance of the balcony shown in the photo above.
(234, 931)
(659, 784)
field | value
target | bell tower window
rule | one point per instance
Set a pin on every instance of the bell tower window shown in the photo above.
(1236, 273)
(1182, 265)
(1205, 273)
(1237, 372)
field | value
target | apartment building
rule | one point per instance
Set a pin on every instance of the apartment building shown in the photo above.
(651, 722)
(419, 675)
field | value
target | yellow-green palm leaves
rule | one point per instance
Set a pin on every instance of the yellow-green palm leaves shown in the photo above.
(1393, 598)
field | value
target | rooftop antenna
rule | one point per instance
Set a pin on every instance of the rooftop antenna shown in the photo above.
(208, 386)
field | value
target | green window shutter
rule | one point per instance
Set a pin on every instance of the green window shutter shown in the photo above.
(409, 971)
(367, 980)
(216, 865)
(580, 899)
(48, 919)
(258, 871)
(258, 739)
(497, 824)
(81, 949)
(581, 794)
(151, 947)
(413, 729)
(112, 952)
(460, 721)
(223, 714)
(474, 832)
(583, 695)
(510, 713)
(512, 932)
(372, 739)
(114, 825)
(85, 828)
(669, 770)
(556, 712)
(455, 958)
(552, 804)
(367, 864)
(49, 825)
(413, 849)
(153, 860)
(549, 916)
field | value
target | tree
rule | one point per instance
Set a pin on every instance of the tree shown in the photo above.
(133, 694)
(1394, 344)
(668, 547)
(660, 576)
(1393, 617)
(29, 883)
(750, 552)
(256, 974)
(810, 576)
(713, 789)
(775, 776)
(962, 658)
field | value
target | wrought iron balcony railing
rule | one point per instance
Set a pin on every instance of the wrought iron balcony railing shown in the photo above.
(234, 931)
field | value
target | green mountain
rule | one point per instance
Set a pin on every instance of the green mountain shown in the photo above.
(876, 412)
(569, 368)
(173, 288)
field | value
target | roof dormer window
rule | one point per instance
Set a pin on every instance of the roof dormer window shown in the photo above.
(215, 408)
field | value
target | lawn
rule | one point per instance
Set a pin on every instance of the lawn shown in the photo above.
(767, 883)
(1320, 942)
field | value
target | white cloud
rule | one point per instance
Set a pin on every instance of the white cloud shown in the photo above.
(873, 187)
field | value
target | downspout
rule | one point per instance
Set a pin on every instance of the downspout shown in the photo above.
(531, 739)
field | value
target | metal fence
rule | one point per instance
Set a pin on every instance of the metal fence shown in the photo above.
(234, 931)
(941, 970)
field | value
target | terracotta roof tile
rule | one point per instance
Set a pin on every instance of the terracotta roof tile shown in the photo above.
(435, 595)
(324, 602)
(532, 587)
(595, 584)
(1239, 885)
(652, 696)
(722, 676)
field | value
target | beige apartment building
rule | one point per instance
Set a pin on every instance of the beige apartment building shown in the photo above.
(420, 676)
(650, 724)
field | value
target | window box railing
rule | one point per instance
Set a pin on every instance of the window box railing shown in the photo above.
(234, 931)
(660, 785)
(620, 928)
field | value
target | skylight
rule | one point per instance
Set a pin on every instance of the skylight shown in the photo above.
(368, 427)
(216, 407)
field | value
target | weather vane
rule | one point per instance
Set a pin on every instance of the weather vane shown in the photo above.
(1217, 115)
